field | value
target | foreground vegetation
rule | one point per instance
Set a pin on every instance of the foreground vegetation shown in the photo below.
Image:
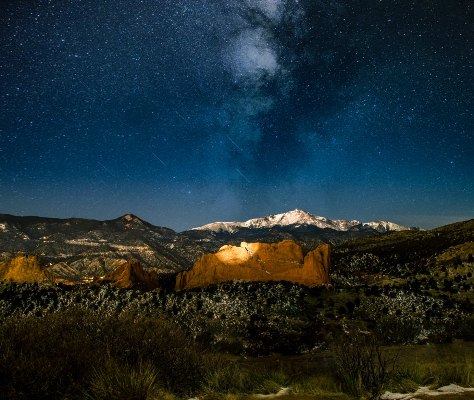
(100, 342)
(77, 354)
(399, 315)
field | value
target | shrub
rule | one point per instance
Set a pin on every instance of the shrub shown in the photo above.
(447, 365)
(272, 381)
(117, 382)
(318, 385)
(51, 357)
(177, 359)
(229, 379)
(233, 378)
(44, 358)
(362, 366)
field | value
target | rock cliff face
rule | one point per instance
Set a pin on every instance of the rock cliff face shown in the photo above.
(131, 275)
(22, 268)
(259, 262)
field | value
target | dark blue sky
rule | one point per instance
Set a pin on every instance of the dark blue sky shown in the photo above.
(190, 111)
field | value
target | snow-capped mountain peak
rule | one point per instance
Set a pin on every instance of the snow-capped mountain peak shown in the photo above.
(294, 217)
(385, 226)
(298, 218)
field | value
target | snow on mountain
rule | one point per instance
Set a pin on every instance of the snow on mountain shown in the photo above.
(385, 226)
(299, 218)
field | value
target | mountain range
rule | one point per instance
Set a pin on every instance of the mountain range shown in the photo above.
(78, 250)
(298, 218)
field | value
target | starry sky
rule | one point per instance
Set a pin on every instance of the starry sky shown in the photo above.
(185, 112)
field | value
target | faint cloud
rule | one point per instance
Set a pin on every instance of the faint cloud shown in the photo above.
(273, 9)
(253, 57)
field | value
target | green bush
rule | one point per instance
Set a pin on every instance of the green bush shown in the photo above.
(455, 369)
(117, 382)
(229, 378)
(408, 379)
(317, 385)
(273, 381)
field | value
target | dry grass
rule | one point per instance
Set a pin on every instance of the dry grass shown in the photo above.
(54, 357)
(434, 366)
(328, 396)
(459, 396)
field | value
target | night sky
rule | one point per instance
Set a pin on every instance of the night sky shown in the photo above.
(185, 112)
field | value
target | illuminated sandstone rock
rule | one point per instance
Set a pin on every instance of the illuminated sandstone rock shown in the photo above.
(259, 262)
(22, 268)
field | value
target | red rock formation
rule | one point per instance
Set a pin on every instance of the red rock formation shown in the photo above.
(259, 262)
(131, 275)
(317, 264)
(22, 268)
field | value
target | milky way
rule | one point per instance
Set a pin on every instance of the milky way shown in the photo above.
(186, 112)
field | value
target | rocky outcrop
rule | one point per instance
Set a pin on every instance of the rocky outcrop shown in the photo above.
(259, 262)
(317, 263)
(254, 262)
(22, 268)
(132, 275)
